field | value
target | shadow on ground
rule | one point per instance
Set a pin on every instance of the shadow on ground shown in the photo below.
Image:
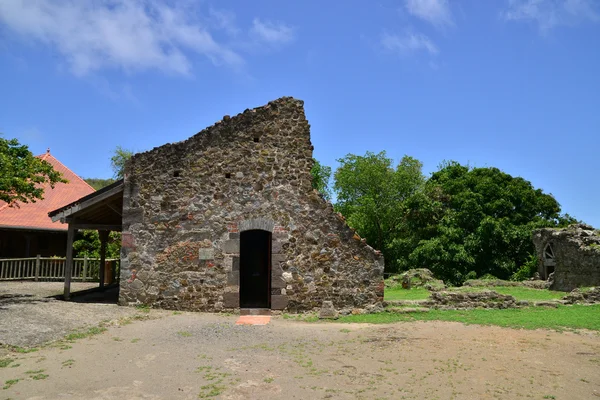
(107, 295)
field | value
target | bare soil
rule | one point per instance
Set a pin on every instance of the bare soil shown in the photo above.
(193, 355)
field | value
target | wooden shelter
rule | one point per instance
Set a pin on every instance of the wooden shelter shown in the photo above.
(101, 211)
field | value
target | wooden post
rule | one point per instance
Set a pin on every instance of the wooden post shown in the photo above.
(69, 262)
(85, 268)
(103, 239)
(37, 268)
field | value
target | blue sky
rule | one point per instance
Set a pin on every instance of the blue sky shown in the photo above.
(506, 83)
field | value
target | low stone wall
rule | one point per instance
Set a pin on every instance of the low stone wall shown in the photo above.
(484, 299)
(416, 277)
(577, 296)
(533, 284)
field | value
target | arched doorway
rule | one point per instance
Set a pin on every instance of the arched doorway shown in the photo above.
(255, 269)
(549, 262)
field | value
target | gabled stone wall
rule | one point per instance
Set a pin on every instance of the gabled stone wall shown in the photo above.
(185, 205)
(576, 251)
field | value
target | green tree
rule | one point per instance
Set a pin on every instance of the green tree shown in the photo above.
(321, 175)
(22, 174)
(118, 160)
(99, 183)
(373, 195)
(88, 243)
(475, 221)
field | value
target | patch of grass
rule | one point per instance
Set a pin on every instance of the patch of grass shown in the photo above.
(39, 377)
(218, 381)
(184, 333)
(397, 293)
(269, 380)
(30, 372)
(344, 330)
(95, 330)
(211, 390)
(5, 361)
(9, 383)
(23, 350)
(308, 317)
(68, 363)
(117, 339)
(563, 317)
(143, 308)
(135, 340)
(176, 312)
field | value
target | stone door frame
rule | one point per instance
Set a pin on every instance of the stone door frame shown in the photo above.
(231, 247)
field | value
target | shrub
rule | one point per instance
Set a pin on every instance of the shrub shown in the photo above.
(527, 270)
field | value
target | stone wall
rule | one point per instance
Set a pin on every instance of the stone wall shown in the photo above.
(576, 255)
(185, 205)
(483, 299)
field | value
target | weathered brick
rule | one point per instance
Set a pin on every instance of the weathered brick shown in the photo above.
(279, 302)
(231, 300)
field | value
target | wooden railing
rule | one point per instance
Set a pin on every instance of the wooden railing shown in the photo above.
(52, 269)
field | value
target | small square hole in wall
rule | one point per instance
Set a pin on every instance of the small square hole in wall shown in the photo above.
(256, 140)
(228, 175)
(176, 174)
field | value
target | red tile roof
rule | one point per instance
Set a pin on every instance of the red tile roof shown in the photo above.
(35, 215)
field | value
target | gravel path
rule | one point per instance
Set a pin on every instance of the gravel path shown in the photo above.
(29, 318)
(40, 289)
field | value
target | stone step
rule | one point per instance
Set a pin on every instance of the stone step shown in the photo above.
(253, 320)
(255, 311)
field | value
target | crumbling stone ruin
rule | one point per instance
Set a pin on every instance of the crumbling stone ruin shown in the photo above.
(418, 277)
(483, 299)
(228, 219)
(587, 296)
(571, 254)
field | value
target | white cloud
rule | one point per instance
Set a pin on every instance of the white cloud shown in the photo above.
(126, 34)
(436, 12)
(408, 43)
(548, 14)
(272, 33)
(224, 20)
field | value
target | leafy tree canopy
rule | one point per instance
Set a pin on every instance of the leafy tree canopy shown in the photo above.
(22, 174)
(118, 160)
(321, 174)
(474, 221)
(372, 194)
(98, 183)
(88, 243)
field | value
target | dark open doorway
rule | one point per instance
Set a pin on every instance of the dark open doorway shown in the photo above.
(255, 269)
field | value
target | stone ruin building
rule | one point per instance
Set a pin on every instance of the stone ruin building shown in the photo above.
(572, 254)
(228, 219)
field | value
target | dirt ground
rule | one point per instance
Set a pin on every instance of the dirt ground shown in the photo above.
(194, 355)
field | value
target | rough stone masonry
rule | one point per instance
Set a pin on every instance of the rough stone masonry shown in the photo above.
(572, 254)
(186, 205)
